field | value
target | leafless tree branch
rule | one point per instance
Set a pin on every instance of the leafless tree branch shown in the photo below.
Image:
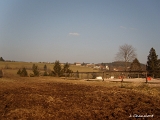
(126, 53)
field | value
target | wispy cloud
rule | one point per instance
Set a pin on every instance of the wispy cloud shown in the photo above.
(74, 34)
(123, 27)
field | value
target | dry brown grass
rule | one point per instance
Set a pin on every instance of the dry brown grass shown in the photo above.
(28, 65)
(53, 98)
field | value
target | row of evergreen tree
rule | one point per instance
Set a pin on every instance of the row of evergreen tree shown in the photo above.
(57, 71)
(152, 66)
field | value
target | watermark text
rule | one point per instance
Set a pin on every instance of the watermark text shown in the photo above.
(140, 116)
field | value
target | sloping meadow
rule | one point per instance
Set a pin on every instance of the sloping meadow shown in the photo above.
(68, 101)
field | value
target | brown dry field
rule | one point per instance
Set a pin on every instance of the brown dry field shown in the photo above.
(49, 98)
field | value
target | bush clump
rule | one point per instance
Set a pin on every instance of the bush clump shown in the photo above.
(35, 70)
(23, 72)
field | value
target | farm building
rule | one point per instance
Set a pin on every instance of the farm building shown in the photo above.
(78, 64)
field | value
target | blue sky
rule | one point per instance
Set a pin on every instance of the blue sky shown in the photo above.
(77, 30)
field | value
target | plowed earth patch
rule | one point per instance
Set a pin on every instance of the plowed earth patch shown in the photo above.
(67, 101)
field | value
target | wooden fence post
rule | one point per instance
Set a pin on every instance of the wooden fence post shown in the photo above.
(146, 78)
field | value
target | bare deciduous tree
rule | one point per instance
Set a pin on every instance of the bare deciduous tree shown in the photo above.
(126, 53)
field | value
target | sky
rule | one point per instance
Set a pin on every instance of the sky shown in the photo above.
(71, 31)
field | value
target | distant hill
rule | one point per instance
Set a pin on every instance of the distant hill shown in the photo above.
(120, 65)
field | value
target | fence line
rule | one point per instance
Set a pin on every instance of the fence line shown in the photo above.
(107, 74)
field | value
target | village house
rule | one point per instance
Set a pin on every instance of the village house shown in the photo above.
(90, 65)
(78, 64)
(102, 67)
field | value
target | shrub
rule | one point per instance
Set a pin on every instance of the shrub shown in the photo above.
(45, 71)
(35, 70)
(23, 72)
(67, 71)
(93, 75)
(57, 69)
(45, 67)
(19, 72)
